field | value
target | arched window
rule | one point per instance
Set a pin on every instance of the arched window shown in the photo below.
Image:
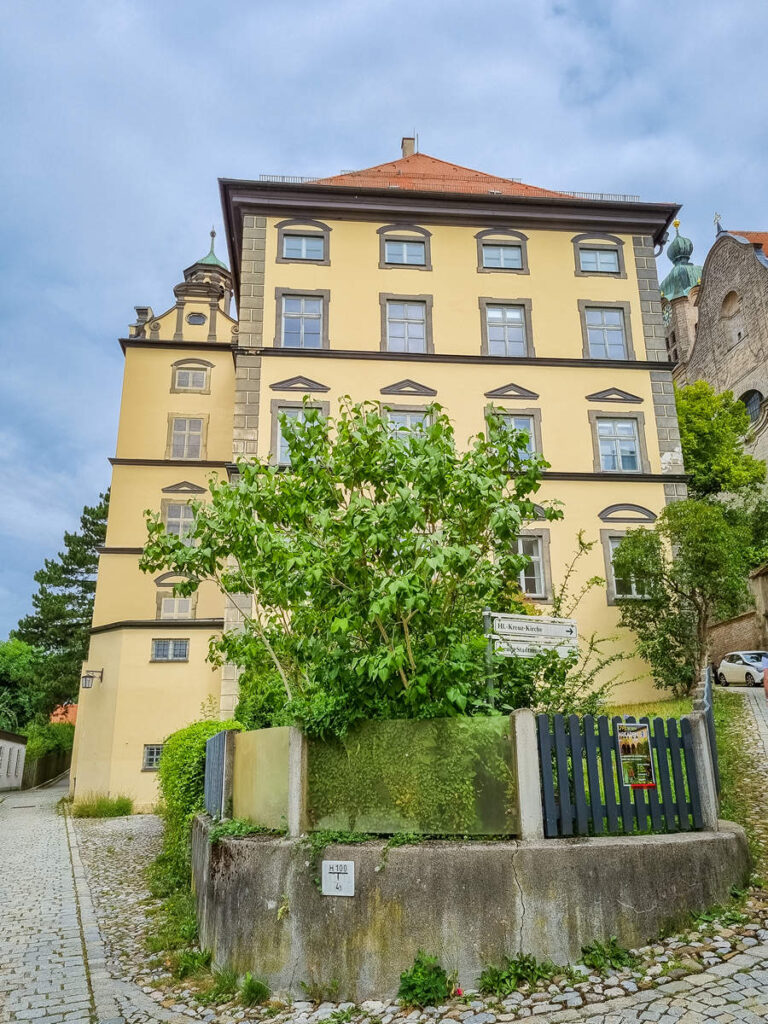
(753, 400)
(732, 319)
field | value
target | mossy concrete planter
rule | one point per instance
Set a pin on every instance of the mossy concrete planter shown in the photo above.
(469, 903)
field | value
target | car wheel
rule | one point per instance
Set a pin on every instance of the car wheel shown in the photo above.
(750, 680)
(722, 680)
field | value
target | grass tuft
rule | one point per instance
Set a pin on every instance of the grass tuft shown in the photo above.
(95, 805)
(252, 991)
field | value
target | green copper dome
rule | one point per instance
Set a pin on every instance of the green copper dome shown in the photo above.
(684, 275)
(211, 259)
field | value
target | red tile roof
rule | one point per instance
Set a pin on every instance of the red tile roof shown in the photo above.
(755, 237)
(65, 713)
(422, 173)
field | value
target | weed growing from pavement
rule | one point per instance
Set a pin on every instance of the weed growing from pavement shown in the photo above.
(603, 956)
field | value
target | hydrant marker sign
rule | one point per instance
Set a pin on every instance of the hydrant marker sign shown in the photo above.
(635, 755)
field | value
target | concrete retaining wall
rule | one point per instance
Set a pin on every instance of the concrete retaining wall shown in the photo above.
(468, 903)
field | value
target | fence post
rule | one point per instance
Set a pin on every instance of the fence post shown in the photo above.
(228, 773)
(704, 768)
(525, 751)
(297, 782)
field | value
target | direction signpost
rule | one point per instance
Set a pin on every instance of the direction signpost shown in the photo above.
(525, 636)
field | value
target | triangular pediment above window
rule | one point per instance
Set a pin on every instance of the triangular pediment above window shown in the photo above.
(511, 391)
(184, 487)
(408, 387)
(303, 384)
(613, 395)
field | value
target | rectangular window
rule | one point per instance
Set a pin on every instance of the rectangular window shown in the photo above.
(406, 326)
(170, 650)
(506, 330)
(503, 257)
(302, 321)
(403, 423)
(187, 438)
(283, 453)
(515, 422)
(599, 261)
(532, 576)
(176, 608)
(179, 519)
(152, 752)
(605, 331)
(619, 445)
(623, 586)
(408, 253)
(190, 379)
(303, 247)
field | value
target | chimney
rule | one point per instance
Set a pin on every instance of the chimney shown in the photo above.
(408, 146)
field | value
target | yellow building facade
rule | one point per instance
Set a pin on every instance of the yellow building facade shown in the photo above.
(414, 282)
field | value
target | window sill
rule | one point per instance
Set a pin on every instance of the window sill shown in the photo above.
(169, 661)
(151, 769)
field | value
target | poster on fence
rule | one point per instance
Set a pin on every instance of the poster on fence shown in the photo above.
(635, 755)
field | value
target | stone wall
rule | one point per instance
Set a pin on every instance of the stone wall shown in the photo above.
(742, 633)
(731, 348)
(470, 904)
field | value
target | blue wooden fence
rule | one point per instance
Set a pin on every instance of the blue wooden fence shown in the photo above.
(583, 792)
(215, 749)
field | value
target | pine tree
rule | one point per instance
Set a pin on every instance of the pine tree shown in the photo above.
(59, 627)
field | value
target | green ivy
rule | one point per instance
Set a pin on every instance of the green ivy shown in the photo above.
(182, 790)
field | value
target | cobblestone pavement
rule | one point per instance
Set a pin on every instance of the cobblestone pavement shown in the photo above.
(63, 937)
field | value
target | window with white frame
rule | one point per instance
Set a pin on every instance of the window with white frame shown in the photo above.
(303, 247)
(151, 759)
(623, 586)
(606, 333)
(402, 422)
(506, 330)
(512, 421)
(179, 519)
(498, 256)
(619, 445)
(400, 251)
(406, 326)
(598, 261)
(532, 580)
(187, 438)
(292, 413)
(175, 607)
(190, 378)
(302, 321)
(170, 650)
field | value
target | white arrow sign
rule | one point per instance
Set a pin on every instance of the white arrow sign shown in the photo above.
(519, 648)
(525, 636)
(538, 627)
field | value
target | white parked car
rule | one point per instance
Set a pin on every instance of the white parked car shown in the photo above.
(744, 668)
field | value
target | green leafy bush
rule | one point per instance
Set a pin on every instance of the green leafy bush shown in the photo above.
(601, 956)
(93, 805)
(252, 991)
(426, 983)
(182, 790)
(502, 980)
(368, 565)
(48, 738)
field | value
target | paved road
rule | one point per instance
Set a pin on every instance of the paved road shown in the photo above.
(52, 967)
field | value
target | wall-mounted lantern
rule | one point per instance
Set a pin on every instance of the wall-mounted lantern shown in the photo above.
(89, 675)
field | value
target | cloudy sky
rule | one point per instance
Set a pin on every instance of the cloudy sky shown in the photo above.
(119, 115)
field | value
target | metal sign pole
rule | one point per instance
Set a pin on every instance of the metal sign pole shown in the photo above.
(487, 623)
